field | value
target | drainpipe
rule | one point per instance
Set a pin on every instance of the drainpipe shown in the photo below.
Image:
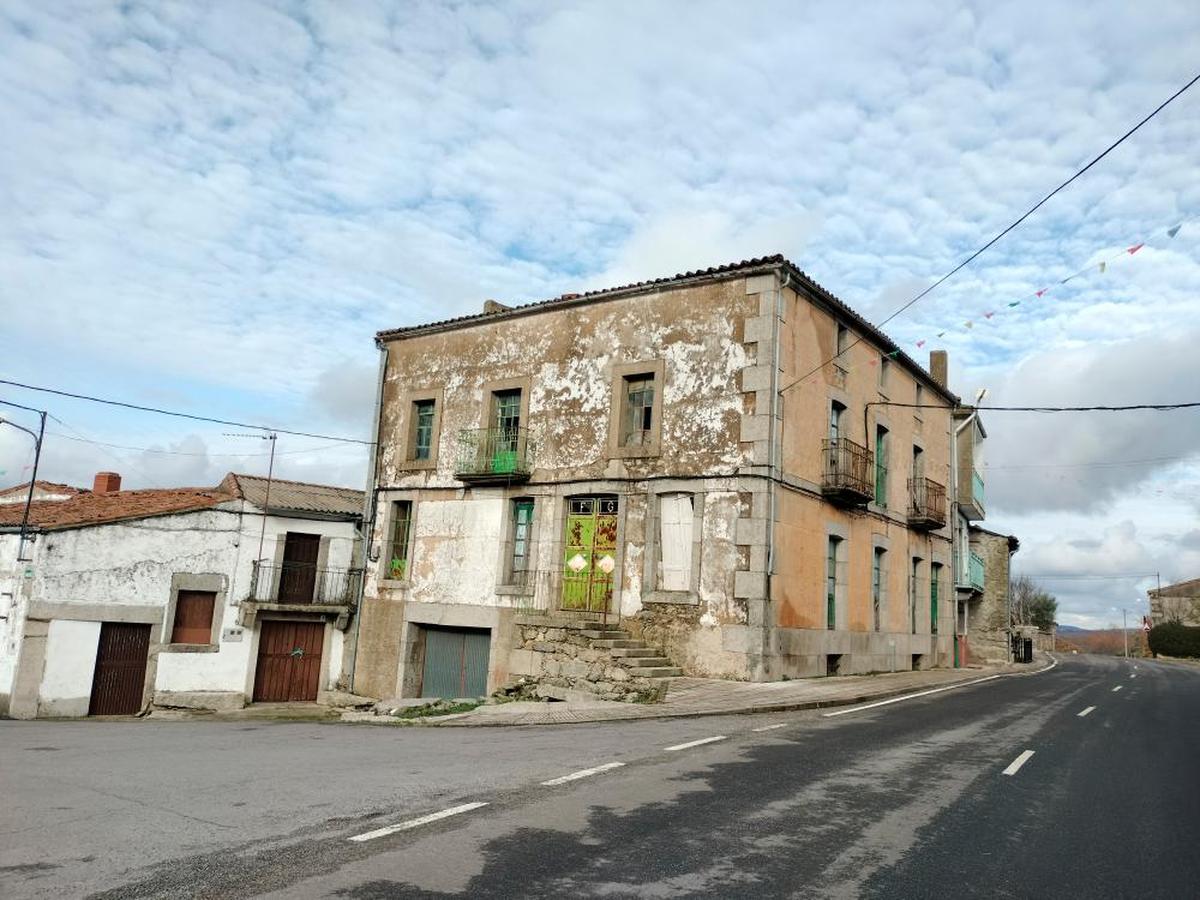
(774, 446)
(367, 529)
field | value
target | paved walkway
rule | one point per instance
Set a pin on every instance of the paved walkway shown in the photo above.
(711, 696)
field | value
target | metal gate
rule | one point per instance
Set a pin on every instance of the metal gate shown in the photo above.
(590, 555)
(456, 662)
(289, 661)
(120, 677)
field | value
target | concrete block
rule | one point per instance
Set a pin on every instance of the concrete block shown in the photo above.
(749, 585)
(756, 378)
(757, 328)
(754, 428)
(760, 283)
(751, 532)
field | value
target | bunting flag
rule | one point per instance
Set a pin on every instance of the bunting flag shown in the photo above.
(1102, 265)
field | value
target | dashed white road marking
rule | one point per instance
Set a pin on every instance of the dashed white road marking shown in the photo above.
(1117, 688)
(771, 727)
(1015, 765)
(414, 823)
(1131, 675)
(690, 744)
(1085, 712)
(582, 773)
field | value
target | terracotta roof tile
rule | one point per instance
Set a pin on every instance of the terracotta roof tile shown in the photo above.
(87, 508)
(496, 312)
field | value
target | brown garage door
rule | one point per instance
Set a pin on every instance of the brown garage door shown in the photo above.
(289, 661)
(120, 676)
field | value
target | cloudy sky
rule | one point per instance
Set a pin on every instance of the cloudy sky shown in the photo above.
(213, 206)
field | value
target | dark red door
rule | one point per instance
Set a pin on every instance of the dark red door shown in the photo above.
(299, 575)
(120, 676)
(289, 661)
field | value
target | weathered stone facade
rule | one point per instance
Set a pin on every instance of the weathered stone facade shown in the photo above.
(988, 631)
(717, 521)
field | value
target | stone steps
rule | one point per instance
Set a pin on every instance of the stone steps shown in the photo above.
(642, 662)
(660, 672)
(603, 634)
(619, 645)
(631, 652)
(636, 657)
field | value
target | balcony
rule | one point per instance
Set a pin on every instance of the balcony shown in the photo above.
(975, 572)
(926, 504)
(970, 496)
(848, 476)
(493, 456)
(302, 584)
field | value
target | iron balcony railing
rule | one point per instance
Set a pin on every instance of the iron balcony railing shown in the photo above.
(493, 454)
(926, 503)
(975, 571)
(849, 471)
(586, 594)
(304, 583)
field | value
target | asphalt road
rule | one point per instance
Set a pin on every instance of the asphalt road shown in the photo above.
(907, 799)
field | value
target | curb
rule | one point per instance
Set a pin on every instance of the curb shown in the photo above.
(797, 706)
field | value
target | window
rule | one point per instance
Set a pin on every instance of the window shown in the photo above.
(675, 512)
(522, 526)
(422, 413)
(885, 365)
(831, 582)
(637, 416)
(935, 579)
(918, 412)
(881, 465)
(914, 583)
(843, 339)
(506, 419)
(193, 617)
(878, 574)
(397, 566)
(835, 419)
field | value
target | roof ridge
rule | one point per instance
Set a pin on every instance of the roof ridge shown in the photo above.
(317, 484)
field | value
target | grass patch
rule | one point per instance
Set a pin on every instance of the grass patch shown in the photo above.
(440, 708)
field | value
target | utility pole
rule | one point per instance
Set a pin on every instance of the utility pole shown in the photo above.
(1125, 631)
(37, 458)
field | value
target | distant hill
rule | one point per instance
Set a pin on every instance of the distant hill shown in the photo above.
(1071, 629)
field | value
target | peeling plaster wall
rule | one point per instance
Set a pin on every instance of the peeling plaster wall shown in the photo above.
(101, 570)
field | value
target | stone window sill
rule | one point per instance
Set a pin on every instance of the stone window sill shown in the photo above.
(189, 648)
(679, 598)
(395, 584)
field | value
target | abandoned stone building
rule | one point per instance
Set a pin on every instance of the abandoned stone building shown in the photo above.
(681, 457)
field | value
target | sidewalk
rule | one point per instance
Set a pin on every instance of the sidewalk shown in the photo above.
(712, 697)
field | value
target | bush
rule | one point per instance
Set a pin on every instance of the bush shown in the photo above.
(1174, 639)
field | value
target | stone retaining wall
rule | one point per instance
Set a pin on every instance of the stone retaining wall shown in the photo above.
(553, 660)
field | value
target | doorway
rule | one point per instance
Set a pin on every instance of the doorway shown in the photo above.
(456, 662)
(119, 680)
(289, 661)
(298, 575)
(590, 554)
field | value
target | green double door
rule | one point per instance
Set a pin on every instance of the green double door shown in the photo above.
(456, 662)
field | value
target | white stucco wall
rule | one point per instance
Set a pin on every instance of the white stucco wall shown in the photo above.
(101, 568)
(66, 686)
(456, 550)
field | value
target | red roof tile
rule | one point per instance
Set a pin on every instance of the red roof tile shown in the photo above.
(87, 508)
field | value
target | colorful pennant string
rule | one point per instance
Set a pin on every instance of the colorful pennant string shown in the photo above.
(969, 324)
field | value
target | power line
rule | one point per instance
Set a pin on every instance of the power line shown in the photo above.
(1159, 407)
(186, 452)
(1025, 215)
(182, 415)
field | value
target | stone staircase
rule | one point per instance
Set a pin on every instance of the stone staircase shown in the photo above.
(636, 656)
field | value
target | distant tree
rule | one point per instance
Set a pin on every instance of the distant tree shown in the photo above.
(1031, 605)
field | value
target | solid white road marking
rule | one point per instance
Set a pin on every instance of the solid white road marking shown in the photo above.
(413, 823)
(1117, 688)
(1015, 765)
(1085, 712)
(582, 773)
(690, 744)
(949, 687)
(771, 727)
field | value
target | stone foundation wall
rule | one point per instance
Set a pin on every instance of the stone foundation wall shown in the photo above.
(553, 660)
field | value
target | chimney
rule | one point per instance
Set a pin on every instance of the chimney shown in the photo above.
(939, 367)
(494, 306)
(106, 483)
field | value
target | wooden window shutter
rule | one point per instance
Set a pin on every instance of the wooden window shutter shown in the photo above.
(675, 526)
(193, 617)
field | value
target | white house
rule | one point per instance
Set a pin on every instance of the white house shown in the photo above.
(190, 597)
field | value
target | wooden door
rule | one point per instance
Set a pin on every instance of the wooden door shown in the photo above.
(299, 574)
(456, 662)
(119, 680)
(289, 661)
